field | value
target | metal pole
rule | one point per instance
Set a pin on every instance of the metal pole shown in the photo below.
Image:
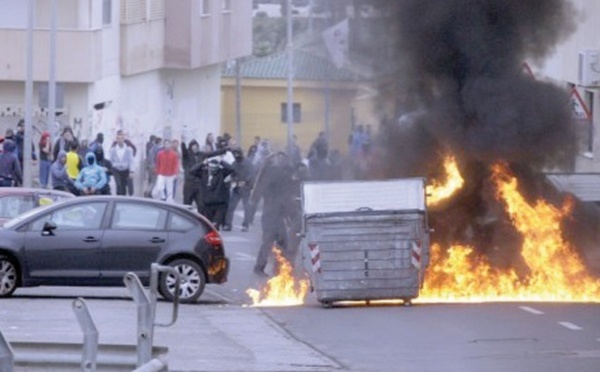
(28, 99)
(52, 76)
(328, 88)
(290, 79)
(238, 101)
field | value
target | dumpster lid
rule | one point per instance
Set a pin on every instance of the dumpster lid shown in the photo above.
(348, 196)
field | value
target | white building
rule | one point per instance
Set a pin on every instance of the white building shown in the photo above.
(145, 66)
(576, 63)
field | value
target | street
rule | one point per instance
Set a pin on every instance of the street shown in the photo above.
(222, 333)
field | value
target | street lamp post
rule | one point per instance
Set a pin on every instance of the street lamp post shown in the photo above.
(290, 78)
(27, 170)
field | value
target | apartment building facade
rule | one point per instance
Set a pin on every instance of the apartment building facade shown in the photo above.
(144, 66)
(575, 64)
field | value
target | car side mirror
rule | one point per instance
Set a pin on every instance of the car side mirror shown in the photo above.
(49, 228)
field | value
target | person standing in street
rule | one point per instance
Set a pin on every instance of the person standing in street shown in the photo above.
(241, 186)
(62, 143)
(20, 142)
(215, 189)
(167, 167)
(275, 185)
(121, 158)
(192, 183)
(10, 168)
(45, 146)
(58, 174)
(74, 162)
(106, 165)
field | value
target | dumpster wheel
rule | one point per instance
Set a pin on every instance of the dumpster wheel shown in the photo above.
(407, 302)
(327, 304)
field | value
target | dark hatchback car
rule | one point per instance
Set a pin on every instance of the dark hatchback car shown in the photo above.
(96, 240)
(17, 200)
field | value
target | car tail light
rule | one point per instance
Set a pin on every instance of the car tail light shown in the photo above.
(213, 238)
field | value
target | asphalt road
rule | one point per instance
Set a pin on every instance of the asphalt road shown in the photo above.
(222, 333)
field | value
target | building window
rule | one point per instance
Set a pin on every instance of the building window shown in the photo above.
(226, 5)
(107, 12)
(297, 112)
(205, 7)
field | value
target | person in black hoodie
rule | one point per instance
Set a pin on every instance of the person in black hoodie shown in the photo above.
(242, 182)
(275, 185)
(215, 191)
(10, 168)
(191, 156)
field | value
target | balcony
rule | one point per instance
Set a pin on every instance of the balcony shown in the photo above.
(142, 46)
(79, 55)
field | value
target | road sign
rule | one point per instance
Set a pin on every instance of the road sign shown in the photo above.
(578, 107)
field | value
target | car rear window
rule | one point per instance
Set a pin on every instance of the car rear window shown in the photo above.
(181, 223)
(138, 216)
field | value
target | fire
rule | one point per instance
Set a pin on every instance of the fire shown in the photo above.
(556, 272)
(280, 290)
(438, 192)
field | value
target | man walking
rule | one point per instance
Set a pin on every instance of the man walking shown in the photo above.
(274, 183)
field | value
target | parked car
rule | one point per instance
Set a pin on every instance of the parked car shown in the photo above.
(96, 240)
(17, 200)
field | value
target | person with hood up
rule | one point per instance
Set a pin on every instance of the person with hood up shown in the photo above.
(243, 180)
(104, 164)
(215, 191)
(192, 184)
(10, 168)
(59, 176)
(275, 185)
(91, 178)
(62, 142)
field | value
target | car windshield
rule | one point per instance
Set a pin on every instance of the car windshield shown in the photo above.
(10, 223)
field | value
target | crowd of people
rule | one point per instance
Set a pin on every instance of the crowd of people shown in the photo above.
(217, 175)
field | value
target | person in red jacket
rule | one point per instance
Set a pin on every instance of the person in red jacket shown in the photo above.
(167, 167)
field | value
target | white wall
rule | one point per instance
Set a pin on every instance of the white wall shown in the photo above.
(13, 14)
(563, 67)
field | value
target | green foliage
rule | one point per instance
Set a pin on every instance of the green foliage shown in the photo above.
(270, 34)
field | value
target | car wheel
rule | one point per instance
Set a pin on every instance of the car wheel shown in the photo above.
(9, 276)
(192, 283)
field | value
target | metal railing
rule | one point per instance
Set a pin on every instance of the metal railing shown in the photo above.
(42, 354)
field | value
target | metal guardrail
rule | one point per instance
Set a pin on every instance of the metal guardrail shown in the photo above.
(6, 355)
(146, 306)
(92, 353)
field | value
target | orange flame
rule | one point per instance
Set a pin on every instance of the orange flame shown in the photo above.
(438, 192)
(280, 290)
(556, 272)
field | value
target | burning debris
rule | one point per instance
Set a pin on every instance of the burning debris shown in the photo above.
(283, 289)
(501, 232)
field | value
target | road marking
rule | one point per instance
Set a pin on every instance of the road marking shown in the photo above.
(531, 310)
(570, 326)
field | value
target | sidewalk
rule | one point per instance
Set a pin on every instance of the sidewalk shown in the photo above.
(206, 337)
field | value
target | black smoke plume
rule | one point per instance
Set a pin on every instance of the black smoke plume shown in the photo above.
(460, 88)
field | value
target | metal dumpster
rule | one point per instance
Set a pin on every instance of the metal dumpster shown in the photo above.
(365, 240)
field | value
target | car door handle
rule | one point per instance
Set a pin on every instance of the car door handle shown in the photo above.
(90, 239)
(157, 240)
